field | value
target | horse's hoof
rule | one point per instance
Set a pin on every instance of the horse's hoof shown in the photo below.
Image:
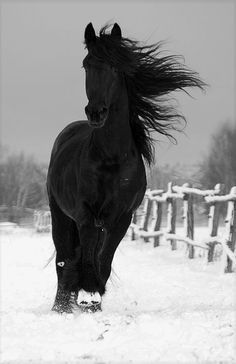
(90, 308)
(61, 308)
(65, 302)
(89, 301)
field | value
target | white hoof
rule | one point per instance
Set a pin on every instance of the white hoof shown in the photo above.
(88, 298)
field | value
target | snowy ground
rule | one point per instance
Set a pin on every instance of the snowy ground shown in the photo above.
(160, 307)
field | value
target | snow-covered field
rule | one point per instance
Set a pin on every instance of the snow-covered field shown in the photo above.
(160, 307)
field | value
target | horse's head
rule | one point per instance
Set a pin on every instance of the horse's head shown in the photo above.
(102, 78)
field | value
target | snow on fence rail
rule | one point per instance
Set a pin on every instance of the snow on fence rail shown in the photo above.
(150, 224)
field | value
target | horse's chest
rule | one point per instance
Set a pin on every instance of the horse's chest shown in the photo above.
(101, 185)
(109, 186)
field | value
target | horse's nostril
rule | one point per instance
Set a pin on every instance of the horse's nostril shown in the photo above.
(96, 115)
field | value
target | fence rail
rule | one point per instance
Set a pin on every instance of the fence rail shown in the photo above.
(147, 220)
(149, 225)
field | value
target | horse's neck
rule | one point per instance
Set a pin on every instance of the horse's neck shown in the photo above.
(114, 139)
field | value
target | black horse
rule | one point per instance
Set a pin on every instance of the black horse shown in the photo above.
(96, 177)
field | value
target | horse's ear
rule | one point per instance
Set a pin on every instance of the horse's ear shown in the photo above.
(89, 34)
(116, 31)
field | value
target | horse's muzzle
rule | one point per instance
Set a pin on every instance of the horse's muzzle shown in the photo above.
(96, 117)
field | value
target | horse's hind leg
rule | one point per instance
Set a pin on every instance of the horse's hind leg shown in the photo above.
(66, 241)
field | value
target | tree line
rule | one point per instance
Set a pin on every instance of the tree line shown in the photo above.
(218, 165)
(22, 182)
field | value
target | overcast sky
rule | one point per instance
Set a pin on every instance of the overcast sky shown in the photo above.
(42, 82)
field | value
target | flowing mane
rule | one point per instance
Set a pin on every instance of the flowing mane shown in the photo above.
(150, 77)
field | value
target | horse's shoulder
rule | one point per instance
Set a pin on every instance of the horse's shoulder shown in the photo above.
(74, 127)
(78, 129)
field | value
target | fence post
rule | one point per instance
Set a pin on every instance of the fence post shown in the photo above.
(213, 223)
(171, 216)
(142, 212)
(158, 212)
(134, 220)
(188, 219)
(147, 217)
(231, 228)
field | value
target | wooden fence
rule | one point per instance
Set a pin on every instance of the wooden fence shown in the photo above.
(151, 211)
(42, 221)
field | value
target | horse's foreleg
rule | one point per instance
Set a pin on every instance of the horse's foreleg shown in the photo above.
(66, 241)
(89, 237)
(114, 236)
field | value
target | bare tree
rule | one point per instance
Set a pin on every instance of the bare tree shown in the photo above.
(219, 165)
(160, 176)
(22, 181)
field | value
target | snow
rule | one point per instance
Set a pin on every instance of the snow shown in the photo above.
(4, 224)
(160, 307)
(8, 226)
